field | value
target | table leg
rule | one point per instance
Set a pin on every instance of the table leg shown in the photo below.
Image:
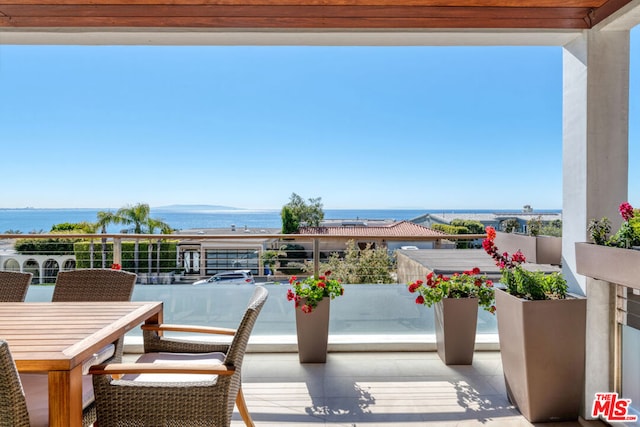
(65, 398)
(156, 319)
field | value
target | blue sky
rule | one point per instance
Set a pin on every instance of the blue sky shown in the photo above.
(360, 127)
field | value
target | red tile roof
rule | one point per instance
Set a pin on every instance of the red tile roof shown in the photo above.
(397, 229)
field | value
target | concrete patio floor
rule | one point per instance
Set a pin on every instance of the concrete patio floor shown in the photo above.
(379, 389)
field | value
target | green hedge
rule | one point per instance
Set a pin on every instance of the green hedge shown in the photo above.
(168, 250)
(474, 227)
(454, 229)
(45, 246)
(450, 229)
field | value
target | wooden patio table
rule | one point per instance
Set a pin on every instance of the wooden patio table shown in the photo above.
(57, 337)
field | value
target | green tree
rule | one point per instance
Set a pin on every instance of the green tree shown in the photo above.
(474, 227)
(83, 227)
(76, 227)
(290, 223)
(299, 212)
(357, 265)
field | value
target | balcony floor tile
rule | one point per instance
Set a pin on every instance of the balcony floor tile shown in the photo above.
(378, 389)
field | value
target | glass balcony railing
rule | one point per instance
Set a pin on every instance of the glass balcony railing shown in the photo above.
(366, 313)
(376, 313)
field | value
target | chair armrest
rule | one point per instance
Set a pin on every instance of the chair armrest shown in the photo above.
(189, 328)
(160, 368)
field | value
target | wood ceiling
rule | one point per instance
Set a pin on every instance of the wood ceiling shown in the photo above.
(307, 14)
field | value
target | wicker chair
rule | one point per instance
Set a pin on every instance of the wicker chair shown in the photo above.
(95, 285)
(82, 285)
(98, 284)
(14, 286)
(185, 389)
(14, 411)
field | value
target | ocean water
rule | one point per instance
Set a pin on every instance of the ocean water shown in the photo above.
(41, 220)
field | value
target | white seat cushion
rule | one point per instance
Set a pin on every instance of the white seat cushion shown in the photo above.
(101, 356)
(214, 358)
(36, 391)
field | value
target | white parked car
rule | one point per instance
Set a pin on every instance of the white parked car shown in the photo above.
(236, 277)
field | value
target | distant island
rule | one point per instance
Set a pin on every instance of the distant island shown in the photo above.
(195, 208)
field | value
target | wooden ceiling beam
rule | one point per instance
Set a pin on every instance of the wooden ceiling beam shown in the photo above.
(19, 11)
(286, 23)
(325, 3)
(308, 14)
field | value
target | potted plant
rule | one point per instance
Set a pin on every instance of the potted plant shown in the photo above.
(456, 299)
(541, 244)
(612, 258)
(542, 338)
(311, 298)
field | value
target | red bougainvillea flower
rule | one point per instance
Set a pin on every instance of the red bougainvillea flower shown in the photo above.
(292, 279)
(626, 210)
(503, 260)
(290, 295)
(116, 267)
(491, 233)
(306, 308)
(420, 300)
(322, 285)
(518, 257)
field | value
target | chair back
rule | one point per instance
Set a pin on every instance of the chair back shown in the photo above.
(238, 346)
(96, 284)
(13, 406)
(14, 286)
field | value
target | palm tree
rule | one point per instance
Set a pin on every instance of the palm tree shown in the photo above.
(105, 218)
(138, 215)
(92, 228)
(164, 229)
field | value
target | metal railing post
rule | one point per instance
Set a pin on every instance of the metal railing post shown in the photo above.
(117, 250)
(316, 257)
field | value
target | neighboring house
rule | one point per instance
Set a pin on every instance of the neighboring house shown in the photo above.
(487, 219)
(524, 217)
(374, 232)
(43, 267)
(200, 258)
(428, 220)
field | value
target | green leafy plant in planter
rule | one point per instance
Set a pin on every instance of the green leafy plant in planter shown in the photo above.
(468, 284)
(628, 234)
(534, 226)
(542, 338)
(522, 283)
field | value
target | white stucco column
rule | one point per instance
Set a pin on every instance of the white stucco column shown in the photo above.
(595, 137)
(595, 177)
